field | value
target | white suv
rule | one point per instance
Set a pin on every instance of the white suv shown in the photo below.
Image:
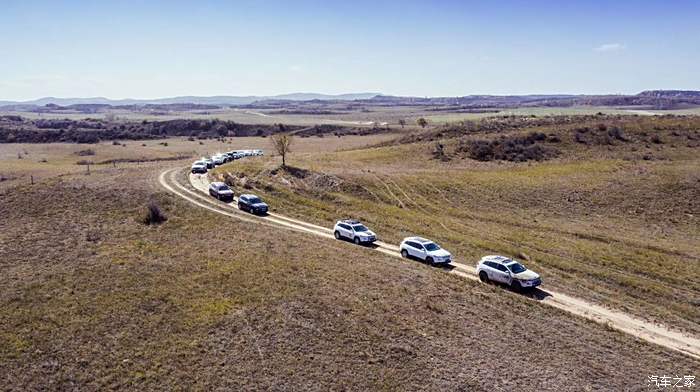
(199, 167)
(218, 159)
(354, 231)
(425, 250)
(501, 269)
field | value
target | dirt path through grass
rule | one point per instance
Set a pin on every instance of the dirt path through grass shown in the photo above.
(644, 330)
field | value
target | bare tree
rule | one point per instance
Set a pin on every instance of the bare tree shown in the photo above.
(282, 143)
(422, 122)
(402, 122)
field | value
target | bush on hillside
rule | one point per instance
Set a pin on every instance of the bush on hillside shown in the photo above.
(154, 215)
(514, 148)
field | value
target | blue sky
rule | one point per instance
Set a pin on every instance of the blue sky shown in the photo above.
(149, 49)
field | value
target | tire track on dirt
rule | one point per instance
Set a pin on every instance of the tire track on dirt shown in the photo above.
(657, 334)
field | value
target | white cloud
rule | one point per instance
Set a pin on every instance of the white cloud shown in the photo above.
(614, 47)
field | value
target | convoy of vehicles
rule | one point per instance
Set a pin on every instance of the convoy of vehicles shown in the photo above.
(221, 158)
(497, 269)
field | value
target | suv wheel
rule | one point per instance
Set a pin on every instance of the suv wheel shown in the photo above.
(357, 240)
(515, 285)
(337, 235)
(484, 277)
(404, 253)
(429, 260)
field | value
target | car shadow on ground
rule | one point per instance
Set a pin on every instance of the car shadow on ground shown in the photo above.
(370, 245)
(536, 293)
(442, 266)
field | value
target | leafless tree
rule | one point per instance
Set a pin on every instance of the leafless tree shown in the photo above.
(422, 122)
(282, 143)
(402, 122)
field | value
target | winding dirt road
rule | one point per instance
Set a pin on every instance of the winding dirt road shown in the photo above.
(641, 329)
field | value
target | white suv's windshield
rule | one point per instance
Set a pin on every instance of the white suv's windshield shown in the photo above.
(360, 228)
(254, 200)
(224, 188)
(516, 268)
(431, 246)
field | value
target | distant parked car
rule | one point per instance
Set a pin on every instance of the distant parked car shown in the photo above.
(354, 231)
(504, 270)
(221, 191)
(218, 159)
(208, 162)
(199, 167)
(425, 250)
(258, 152)
(252, 204)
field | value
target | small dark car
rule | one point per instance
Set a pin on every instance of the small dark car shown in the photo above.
(252, 204)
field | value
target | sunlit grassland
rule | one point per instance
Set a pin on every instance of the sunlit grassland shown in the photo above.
(521, 210)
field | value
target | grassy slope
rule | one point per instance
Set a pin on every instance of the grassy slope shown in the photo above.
(92, 299)
(50, 160)
(600, 223)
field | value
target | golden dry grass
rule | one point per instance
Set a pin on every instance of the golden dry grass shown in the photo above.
(598, 222)
(92, 299)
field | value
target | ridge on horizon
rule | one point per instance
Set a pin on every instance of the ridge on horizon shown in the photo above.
(233, 100)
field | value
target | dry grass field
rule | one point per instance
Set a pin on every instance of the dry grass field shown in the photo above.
(616, 224)
(366, 116)
(18, 162)
(93, 299)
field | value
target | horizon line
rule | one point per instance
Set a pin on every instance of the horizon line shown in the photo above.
(24, 101)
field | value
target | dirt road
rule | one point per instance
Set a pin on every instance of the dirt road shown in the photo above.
(641, 329)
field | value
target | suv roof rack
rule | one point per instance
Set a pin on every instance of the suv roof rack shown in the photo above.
(499, 258)
(351, 221)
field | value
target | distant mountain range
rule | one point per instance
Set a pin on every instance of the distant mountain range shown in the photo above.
(213, 100)
(652, 99)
